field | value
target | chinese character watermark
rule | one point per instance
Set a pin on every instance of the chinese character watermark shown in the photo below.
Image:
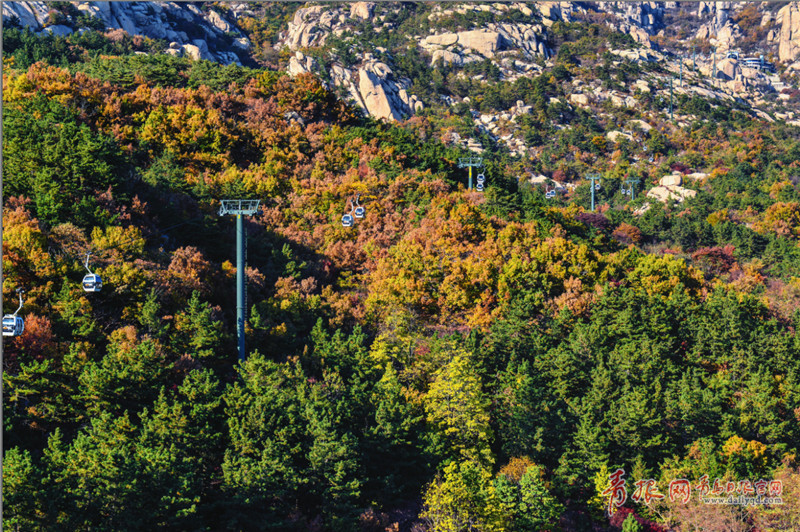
(616, 492)
(747, 492)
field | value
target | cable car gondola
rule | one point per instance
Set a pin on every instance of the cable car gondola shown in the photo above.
(359, 210)
(13, 325)
(91, 282)
(347, 219)
(479, 187)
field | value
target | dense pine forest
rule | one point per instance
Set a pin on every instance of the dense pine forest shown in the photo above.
(456, 360)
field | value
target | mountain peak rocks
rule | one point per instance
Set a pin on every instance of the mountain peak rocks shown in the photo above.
(157, 20)
(463, 47)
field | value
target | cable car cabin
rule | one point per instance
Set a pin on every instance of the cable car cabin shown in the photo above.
(549, 195)
(92, 283)
(481, 177)
(479, 187)
(357, 210)
(597, 186)
(13, 325)
(347, 220)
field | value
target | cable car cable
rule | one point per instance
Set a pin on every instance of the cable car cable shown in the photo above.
(93, 282)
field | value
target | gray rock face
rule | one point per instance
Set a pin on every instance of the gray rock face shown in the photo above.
(157, 20)
(475, 45)
(30, 14)
(309, 27)
(672, 180)
(300, 63)
(789, 44)
(648, 16)
(673, 192)
(58, 30)
(728, 69)
(371, 87)
(375, 96)
(343, 78)
(517, 46)
(197, 50)
(717, 12)
(447, 58)
(362, 10)
(218, 22)
(381, 96)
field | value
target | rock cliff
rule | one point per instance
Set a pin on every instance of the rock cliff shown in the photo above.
(517, 38)
(789, 44)
(200, 34)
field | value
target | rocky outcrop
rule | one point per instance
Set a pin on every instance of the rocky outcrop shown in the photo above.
(637, 19)
(343, 78)
(720, 29)
(362, 10)
(727, 37)
(717, 12)
(618, 136)
(59, 30)
(156, 20)
(371, 87)
(672, 180)
(31, 15)
(648, 16)
(375, 96)
(728, 69)
(666, 193)
(197, 51)
(446, 57)
(463, 47)
(299, 63)
(484, 42)
(384, 97)
(640, 125)
(789, 43)
(475, 45)
(579, 99)
(637, 55)
(549, 10)
(310, 27)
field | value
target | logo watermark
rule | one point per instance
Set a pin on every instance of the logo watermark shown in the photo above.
(721, 492)
(741, 500)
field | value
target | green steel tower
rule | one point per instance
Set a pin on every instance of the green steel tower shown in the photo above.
(594, 186)
(240, 208)
(469, 162)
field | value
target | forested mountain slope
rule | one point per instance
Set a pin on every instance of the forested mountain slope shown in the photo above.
(455, 359)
